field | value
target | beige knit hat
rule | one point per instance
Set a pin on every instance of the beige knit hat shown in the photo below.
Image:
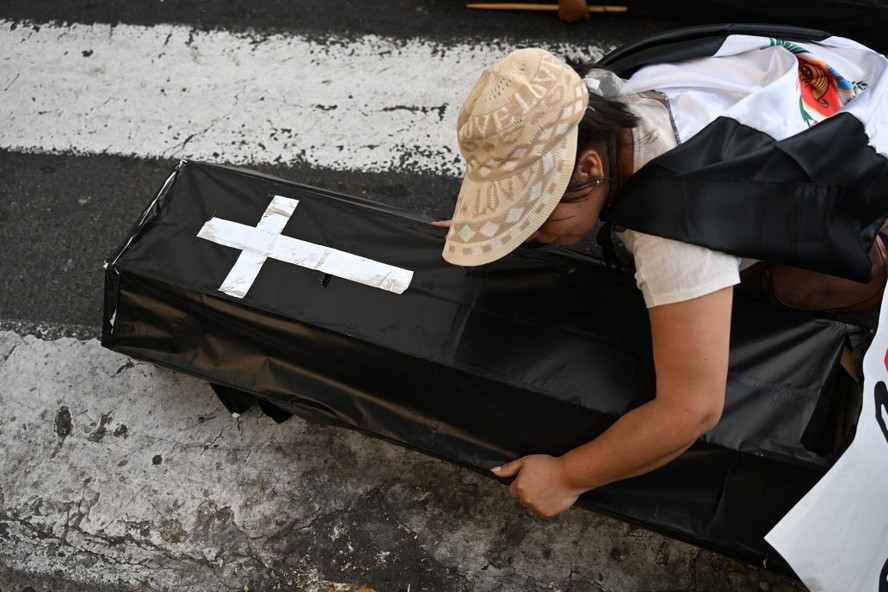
(517, 131)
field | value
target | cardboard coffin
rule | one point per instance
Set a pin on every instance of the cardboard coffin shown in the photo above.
(537, 353)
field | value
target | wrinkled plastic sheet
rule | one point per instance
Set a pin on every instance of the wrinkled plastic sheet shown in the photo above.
(537, 353)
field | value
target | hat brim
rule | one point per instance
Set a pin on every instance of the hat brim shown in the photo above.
(493, 217)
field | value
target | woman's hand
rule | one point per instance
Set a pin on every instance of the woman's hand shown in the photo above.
(690, 343)
(539, 484)
(571, 11)
(442, 223)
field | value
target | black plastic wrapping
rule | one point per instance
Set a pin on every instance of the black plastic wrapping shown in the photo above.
(537, 353)
(864, 21)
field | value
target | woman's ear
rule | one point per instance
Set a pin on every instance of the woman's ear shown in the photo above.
(590, 165)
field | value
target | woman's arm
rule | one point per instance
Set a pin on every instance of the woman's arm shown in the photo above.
(690, 343)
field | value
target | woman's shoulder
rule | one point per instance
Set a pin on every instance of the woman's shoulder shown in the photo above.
(669, 271)
(656, 132)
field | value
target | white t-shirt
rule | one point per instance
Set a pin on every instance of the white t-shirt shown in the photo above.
(668, 271)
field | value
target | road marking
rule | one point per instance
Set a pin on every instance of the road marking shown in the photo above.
(258, 243)
(372, 104)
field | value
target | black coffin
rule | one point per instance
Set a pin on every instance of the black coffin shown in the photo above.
(536, 353)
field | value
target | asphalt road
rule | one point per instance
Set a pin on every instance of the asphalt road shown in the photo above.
(38, 286)
(121, 476)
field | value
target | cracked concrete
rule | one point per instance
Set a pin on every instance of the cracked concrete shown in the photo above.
(123, 476)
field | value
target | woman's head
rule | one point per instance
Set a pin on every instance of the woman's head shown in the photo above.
(535, 142)
(601, 128)
(517, 131)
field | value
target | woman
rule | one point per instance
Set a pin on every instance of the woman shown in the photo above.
(548, 152)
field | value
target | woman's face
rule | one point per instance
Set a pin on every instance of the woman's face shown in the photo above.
(576, 215)
(569, 222)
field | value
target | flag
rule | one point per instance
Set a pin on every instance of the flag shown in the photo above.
(784, 136)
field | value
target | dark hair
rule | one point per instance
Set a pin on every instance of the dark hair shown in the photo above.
(600, 128)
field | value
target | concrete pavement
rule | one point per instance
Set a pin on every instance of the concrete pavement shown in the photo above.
(124, 476)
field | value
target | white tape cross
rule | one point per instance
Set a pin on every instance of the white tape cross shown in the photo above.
(265, 240)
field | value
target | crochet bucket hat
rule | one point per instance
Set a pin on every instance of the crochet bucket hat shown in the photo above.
(517, 131)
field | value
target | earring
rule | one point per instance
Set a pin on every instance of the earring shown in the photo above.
(598, 182)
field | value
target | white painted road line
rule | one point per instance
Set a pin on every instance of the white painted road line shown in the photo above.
(373, 104)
